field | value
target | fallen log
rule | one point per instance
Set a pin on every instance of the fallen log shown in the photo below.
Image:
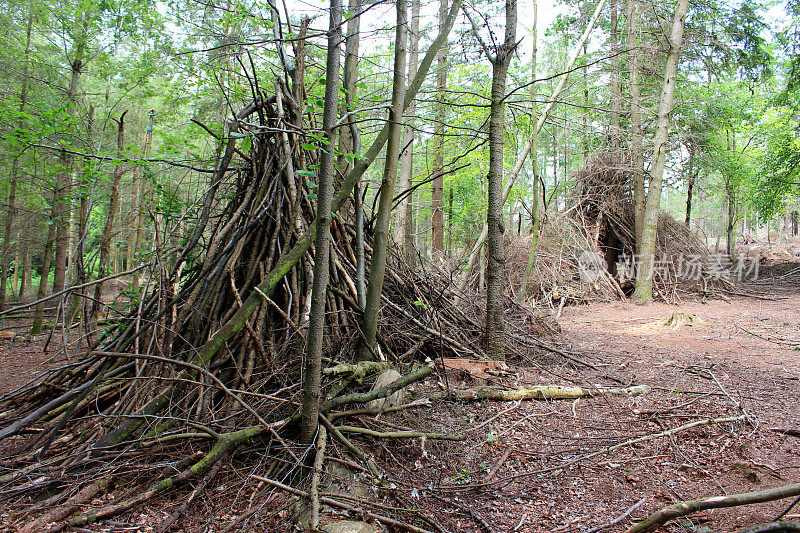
(545, 392)
(658, 519)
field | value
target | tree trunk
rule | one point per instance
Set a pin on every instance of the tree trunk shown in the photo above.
(84, 188)
(637, 150)
(615, 92)
(495, 254)
(38, 313)
(473, 255)
(17, 264)
(403, 221)
(322, 242)
(113, 203)
(690, 179)
(534, 164)
(437, 186)
(730, 230)
(689, 194)
(63, 204)
(12, 192)
(381, 237)
(139, 185)
(644, 274)
(25, 277)
(60, 219)
(350, 78)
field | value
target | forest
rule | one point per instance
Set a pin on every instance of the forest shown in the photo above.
(400, 266)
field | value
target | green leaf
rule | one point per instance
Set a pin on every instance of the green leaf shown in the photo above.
(247, 144)
(308, 146)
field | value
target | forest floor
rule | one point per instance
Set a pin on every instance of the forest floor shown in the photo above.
(523, 466)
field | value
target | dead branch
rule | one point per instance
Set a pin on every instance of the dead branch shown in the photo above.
(678, 510)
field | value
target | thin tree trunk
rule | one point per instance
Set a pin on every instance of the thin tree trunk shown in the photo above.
(689, 194)
(381, 237)
(494, 333)
(350, 86)
(60, 215)
(644, 274)
(105, 242)
(403, 221)
(25, 278)
(82, 234)
(615, 92)
(17, 264)
(64, 180)
(473, 255)
(42, 292)
(637, 151)
(12, 192)
(437, 186)
(690, 186)
(139, 184)
(534, 165)
(322, 243)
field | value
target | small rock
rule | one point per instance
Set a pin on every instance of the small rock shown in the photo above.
(348, 526)
(387, 377)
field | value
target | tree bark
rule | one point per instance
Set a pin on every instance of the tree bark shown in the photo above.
(25, 277)
(381, 237)
(404, 235)
(47, 255)
(494, 333)
(644, 274)
(350, 77)
(63, 205)
(690, 180)
(615, 92)
(534, 164)
(637, 151)
(437, 186)
(139, 185)
(12, 192)
(473, 255)
(113, 203)
(322, 243)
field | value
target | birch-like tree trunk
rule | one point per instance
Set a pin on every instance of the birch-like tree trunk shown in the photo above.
(646, 260)
(322, 242)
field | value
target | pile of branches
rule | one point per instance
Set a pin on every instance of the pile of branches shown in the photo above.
(599, 222)
(209, 358)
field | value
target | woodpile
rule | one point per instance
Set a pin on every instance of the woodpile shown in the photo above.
(209, 354)
(587, 251)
